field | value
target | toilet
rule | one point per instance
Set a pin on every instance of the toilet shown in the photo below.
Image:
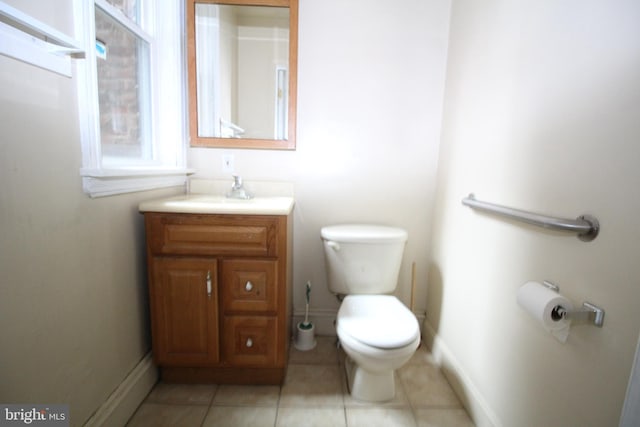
(378, 333)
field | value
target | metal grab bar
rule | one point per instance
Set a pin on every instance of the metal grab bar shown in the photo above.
(586, 226)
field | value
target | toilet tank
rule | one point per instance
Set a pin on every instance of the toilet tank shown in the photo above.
(363, 259)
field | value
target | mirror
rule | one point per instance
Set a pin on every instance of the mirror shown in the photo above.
(242, 73)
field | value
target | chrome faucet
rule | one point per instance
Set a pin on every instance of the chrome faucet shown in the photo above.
(237, 189)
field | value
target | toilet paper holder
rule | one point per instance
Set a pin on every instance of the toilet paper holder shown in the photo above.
(588, 312)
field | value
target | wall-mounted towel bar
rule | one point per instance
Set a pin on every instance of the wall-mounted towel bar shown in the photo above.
(586, 226)
(25, 38)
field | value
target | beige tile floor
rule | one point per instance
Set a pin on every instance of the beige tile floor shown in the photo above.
(314, 393)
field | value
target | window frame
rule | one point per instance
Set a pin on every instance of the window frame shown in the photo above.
(168, 112)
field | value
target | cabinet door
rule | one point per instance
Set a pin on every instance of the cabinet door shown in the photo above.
(184, 314)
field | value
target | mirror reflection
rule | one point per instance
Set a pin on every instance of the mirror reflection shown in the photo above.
(242, 69)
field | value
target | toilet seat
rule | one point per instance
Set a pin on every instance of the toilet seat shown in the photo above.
(379, 321)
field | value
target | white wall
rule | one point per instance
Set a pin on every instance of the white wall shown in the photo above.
(73, 287)
(73, 291)
(541, 112)
(369, 107)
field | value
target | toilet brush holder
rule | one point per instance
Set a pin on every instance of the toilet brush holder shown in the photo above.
(305, 338)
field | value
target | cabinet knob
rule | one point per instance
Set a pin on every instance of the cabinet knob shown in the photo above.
(248, 286)
(249, 342)
(209, 283)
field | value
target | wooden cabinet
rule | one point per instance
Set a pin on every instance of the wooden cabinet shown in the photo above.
(220, 296)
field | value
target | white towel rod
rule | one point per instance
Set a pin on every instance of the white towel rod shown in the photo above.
(25, 38)
(586, 226)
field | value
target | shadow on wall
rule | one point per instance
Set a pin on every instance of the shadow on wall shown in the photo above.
(435, 294)
(434, 302)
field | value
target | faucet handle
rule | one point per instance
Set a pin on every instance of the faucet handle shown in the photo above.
(237, 189)
(237, 181)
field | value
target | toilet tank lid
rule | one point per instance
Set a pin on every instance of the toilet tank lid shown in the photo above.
(363, 233)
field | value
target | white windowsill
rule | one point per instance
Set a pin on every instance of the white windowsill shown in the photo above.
(108, 182)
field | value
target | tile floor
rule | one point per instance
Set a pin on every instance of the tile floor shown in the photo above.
(314, 394)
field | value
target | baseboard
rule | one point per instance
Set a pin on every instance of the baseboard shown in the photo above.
(126, 398)
(475, 404)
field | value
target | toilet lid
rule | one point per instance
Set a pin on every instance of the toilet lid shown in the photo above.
(377, 320)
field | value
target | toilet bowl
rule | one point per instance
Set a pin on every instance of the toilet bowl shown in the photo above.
(379, 335)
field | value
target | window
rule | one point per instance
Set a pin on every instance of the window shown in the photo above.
(124, 98)
(133, 136)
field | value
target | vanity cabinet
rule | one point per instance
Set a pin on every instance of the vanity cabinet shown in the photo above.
(220, 296)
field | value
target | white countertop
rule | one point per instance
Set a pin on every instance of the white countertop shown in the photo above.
(212, 204)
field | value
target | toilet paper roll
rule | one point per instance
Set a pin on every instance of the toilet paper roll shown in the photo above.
(540, 302)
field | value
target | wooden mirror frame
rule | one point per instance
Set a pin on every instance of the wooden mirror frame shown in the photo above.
(274, 144)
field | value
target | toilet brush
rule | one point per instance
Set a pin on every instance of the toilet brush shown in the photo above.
(305, 339)
(306, 324)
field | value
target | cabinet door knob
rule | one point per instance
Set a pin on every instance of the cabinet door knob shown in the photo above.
(249, 342)
(249, 286)
(209, 283)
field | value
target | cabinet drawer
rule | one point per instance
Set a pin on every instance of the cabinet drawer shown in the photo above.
(212, 234)
(250, 341)
(249, 285)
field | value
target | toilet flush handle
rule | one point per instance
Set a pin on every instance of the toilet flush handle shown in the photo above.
(334, 245)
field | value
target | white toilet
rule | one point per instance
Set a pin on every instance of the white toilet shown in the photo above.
(378, 333)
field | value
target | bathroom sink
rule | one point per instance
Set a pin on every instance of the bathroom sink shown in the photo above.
(212, 204)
